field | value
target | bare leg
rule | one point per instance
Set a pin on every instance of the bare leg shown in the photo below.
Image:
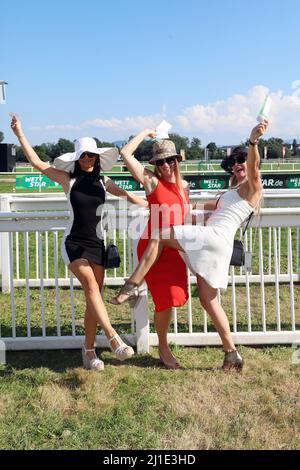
(209, 301)
(90, 323)
(82, 269)
(162, 238)
(162, 322)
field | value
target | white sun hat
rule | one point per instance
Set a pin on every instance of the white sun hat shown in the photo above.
(108, 155)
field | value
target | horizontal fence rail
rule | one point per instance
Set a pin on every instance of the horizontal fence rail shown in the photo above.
(41, 307)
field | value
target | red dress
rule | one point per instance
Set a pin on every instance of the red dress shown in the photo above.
(167, 279)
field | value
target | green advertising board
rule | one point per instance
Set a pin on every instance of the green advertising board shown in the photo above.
(127, 182)
(35, 182)
(280, 180)
(207, 182)
(41, 182)
(213, 181)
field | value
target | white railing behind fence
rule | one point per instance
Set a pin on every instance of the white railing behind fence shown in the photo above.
(276, 263)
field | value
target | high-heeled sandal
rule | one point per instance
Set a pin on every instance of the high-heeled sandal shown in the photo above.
(123, 351)
(131, 290)
(94, 364)
(232, 361)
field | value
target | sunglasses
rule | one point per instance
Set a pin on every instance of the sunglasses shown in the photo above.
(88, 154)
(168, 160)
(239, 159)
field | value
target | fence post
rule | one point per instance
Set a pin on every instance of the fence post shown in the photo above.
(141, 313)
(4, 249)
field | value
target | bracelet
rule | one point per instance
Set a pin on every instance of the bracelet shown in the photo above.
(251, 143)
(22, 135)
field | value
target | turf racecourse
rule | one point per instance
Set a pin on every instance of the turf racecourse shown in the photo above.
(47, 401)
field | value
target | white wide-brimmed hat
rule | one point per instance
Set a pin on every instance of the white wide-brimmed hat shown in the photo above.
(108, 155)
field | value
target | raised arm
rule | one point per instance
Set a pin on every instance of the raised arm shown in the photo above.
(114, 189)
(60, 176)
(141, 174)
(253, 158)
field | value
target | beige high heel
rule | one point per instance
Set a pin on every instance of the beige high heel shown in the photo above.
(123, 351)
(130, 289)
(93, 364)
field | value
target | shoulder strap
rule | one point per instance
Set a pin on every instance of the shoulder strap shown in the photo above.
(248, 222)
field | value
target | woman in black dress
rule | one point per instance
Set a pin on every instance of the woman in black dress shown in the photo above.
(82, 246)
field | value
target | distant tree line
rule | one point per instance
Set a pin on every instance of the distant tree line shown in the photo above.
(191, 148)
(49, 151)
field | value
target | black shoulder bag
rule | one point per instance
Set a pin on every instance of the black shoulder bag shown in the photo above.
(238, 252)
(112, 257)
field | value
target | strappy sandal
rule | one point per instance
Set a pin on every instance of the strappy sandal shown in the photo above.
(130, 289)
(94, 364)
(123, 351)
(232, 361)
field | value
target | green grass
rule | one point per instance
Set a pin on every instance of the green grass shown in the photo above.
(47, 401)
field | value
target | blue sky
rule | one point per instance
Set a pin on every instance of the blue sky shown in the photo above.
(107, 69)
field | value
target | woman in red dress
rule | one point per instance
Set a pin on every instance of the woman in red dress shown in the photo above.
(167, 195)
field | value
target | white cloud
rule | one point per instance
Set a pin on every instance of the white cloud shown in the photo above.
(230, 120)
(226, 121)
(113, 123)
(61, 127)
(127, 124)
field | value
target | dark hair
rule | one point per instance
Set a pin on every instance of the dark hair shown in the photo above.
(228, 162)
(239, 150)
(78, 171)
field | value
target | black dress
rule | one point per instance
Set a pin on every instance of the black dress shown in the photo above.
(83, 237)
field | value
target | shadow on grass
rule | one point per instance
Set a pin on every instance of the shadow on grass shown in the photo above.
(63, 360)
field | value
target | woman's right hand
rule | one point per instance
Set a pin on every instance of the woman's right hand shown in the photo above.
(16, 125)
(151, 133)
(258, 131)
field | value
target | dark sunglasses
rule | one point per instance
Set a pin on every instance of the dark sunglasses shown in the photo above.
(89, 154)
(168, 160)
(229, 162)
(238, 159)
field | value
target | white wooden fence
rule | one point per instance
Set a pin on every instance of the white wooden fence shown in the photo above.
(31, 261)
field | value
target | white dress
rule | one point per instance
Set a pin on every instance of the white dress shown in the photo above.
(208, 249)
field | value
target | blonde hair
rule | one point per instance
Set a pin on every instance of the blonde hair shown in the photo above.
(178, 177)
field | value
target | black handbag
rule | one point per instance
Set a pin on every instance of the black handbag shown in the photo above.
(238, 252)
(112, 257)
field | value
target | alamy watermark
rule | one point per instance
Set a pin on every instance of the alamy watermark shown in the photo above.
(135, 221)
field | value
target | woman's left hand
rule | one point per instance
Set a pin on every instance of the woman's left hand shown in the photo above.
(258, 131)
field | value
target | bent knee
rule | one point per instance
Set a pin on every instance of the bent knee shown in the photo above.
(90, 285)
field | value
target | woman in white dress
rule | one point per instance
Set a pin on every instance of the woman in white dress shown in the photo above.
(208, 249)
